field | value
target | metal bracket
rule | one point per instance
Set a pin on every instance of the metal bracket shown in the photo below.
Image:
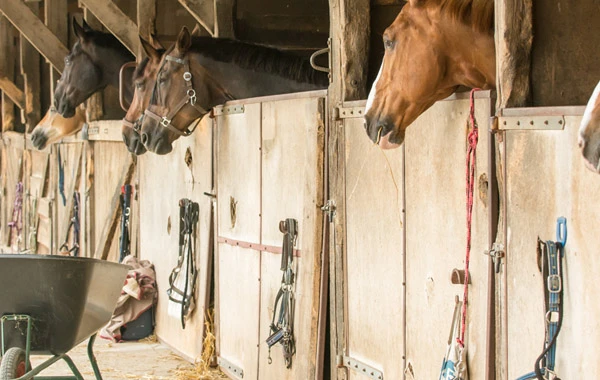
(531, 122)
(362, 368)
(349, 112)
(228, 110)
(230, 368)
(496, 253)
(329, 208)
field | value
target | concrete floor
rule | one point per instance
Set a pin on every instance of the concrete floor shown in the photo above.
(130, 360)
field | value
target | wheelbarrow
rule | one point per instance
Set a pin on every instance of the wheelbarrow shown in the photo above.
(50, 304)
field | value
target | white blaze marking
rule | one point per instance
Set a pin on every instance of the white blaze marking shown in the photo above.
(587, 114)
(373, 91)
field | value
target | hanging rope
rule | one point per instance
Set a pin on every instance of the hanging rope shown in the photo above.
(473, 137)
(16, 224)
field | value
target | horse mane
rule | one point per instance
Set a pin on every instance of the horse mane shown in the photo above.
(477, 13)
(258, 58)
(108, 41)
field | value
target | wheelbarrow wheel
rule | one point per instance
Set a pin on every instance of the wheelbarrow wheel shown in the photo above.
(13, 364)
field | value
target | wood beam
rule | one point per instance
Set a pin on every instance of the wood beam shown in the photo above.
(12, 91)
(223, 27)
(32, 28)
(56, 17)
(116, 21)
(203, 11)
(7, 70)
(30, 70)
(514, 36)
(146, 21)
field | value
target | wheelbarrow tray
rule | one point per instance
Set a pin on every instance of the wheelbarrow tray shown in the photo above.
(68, 299)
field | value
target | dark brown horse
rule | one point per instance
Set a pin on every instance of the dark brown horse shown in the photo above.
(143, 80)
(431, 48)
(197, 74)
(93, 63)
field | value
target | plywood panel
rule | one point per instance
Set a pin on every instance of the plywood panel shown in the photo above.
(546, 179)
(292, 184)
(435, 154)
(375, 253)
(164, 180)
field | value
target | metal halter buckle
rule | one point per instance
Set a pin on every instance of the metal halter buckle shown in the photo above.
(554, 283)
(165, 122)
(187, 76)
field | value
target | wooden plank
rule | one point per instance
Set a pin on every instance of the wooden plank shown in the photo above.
(203, 11)
(12, 91)
(7, 67)
(224, 19)
(110, 225)
(375, 231)
(292, 187)
(159, 231)
(146, 21)
(546, 178)
(30, 70)
(35, 31)
(105, 130)
(514, 35)
(436, 225)
(116, 21)
(56, 18)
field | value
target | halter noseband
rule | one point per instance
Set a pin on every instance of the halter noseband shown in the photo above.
(190, 97)
(136, 125)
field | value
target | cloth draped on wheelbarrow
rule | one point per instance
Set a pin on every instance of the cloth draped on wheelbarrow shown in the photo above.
(137, 296)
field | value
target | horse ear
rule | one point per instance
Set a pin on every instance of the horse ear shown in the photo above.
(149, 49)
(184, 40)
(78, 29)
(86, 27)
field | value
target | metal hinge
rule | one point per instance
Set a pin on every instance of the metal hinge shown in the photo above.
(329, 208)
(496, 253)
(360, 367)
(228, 110)
(531, 122)
(349, 112)
(230, 368)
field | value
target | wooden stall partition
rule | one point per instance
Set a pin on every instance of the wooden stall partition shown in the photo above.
(12, 173)
(38, 237)
(269, 168)
(163, 181)
(374, 263)
(545, 178)
(435, 182)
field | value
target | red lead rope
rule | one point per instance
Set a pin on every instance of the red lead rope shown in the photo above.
(471, 163)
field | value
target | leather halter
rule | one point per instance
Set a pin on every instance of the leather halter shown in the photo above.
(136, 125)
(189, 98)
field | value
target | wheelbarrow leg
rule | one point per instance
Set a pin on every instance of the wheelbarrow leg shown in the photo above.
(92, 357)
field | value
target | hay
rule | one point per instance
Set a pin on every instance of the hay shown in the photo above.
(202, 369)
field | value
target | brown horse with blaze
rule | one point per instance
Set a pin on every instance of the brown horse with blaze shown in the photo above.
(432, 48)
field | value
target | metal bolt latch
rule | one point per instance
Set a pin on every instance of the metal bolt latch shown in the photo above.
(329, 208)
(496, 253)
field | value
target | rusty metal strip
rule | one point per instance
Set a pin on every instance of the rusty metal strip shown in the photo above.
(230, 368)
(255, 246)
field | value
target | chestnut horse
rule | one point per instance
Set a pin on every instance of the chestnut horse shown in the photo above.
(199, 73)
(431, 48)
(143, 82)
(589, 132)
(93, 63)
(54, 126)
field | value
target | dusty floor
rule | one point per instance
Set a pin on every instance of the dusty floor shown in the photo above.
(130, 360)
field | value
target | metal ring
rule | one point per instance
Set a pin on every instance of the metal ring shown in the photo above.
(187, 76)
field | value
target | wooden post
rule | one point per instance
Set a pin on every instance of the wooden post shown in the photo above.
(349, 31)
(514, 35)
(57, 21)
(7, 68)
(203, 11)
(30, 69)
(146, 21)
(224, 19)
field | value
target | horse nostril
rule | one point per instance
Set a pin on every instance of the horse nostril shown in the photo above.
(144, 137)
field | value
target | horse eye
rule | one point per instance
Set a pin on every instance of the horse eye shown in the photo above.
(139, 86)
(388, 44)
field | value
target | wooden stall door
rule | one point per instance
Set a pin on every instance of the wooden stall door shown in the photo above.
(435, 183)
(270, 167)
(375, 255)
(163, 181)
(546, 179)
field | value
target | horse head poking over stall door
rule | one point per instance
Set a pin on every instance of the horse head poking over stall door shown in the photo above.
(54, 126)
(589, 132)
(431, 48)
(199, 73)
(93, 63)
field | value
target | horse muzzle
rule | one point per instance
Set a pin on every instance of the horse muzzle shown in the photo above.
(382, 132)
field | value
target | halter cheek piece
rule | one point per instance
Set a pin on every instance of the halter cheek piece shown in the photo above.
(136, 125)
(190, 98)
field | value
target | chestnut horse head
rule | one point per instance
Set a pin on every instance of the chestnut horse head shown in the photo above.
(589, 132)
(196, 74)
(431, 48)
(93, 63)
(144, 77)
(54, 126)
